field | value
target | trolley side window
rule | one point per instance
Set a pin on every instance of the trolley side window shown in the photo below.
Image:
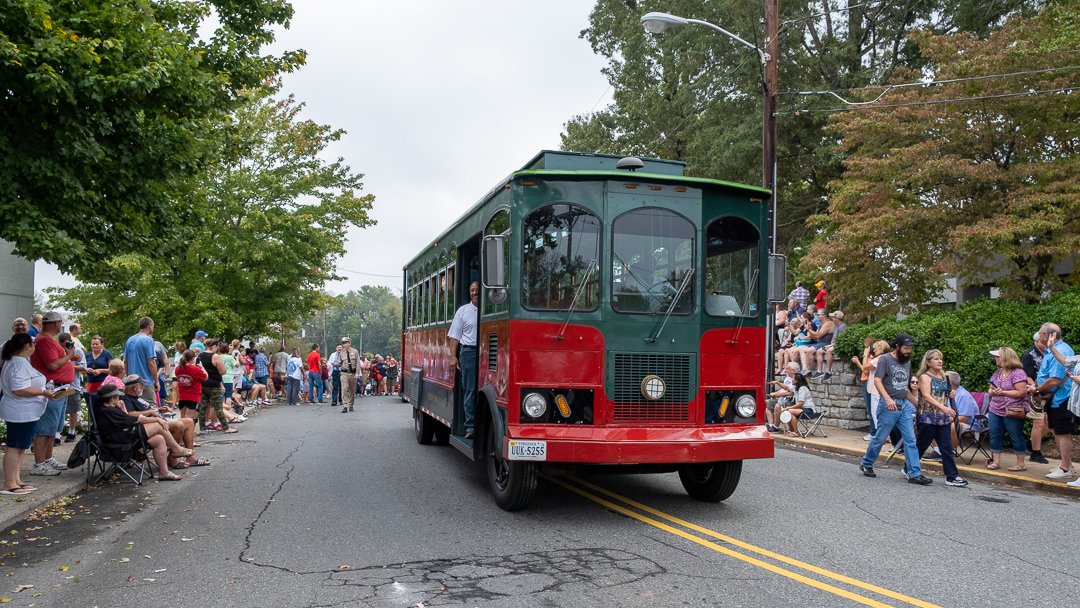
(731, 268)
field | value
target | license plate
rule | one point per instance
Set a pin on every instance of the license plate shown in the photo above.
(527, 450)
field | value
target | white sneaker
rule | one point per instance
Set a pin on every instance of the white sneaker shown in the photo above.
(1074, 483)
(867, 437)
(1058, 473)
(55, 464)
(43, 469)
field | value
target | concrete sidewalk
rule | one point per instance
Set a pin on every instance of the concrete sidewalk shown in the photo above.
(850, 443)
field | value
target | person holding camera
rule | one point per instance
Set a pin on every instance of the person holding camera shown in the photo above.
(1055, 382)
(55, 361)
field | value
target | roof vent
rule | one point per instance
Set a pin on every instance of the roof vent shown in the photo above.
(630, 163)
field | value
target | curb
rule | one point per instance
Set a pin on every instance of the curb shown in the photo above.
(972, 473)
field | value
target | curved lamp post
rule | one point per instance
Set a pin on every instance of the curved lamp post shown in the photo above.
(656, 23)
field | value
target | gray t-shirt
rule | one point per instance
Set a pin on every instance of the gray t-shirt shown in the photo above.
(894, 375)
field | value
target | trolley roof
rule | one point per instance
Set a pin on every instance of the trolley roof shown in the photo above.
(558, 163)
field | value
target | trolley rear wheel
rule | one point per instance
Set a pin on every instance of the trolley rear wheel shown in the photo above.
(424, 426)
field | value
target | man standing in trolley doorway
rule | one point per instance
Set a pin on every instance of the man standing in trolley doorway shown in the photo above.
(463, 333)
(349, 360)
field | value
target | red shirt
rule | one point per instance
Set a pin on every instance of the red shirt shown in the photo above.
(821, 301)
(47, 350)
(314, 362)
(190, 378)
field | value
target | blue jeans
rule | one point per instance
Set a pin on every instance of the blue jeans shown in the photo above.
(335, 382)
(903, 417)
(315, 385)
(869, 413)
(999, 425)
(467, 359)
(292, 385)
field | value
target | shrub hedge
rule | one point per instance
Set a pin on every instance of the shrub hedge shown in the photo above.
(964, 335)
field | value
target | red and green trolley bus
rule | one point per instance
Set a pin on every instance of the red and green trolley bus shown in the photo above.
(623, 320)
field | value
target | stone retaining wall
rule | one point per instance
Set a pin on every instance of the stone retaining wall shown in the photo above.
(842, 398)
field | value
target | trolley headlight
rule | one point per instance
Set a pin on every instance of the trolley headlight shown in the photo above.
(746, 406)
(535, 405)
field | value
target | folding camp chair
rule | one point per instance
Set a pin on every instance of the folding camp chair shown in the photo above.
(106, 457)
(810, 423)
(978, 430)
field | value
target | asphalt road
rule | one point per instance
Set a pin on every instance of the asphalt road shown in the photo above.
(310, 507)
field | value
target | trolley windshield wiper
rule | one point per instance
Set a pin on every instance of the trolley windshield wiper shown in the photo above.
(675, 300)
(573, 304)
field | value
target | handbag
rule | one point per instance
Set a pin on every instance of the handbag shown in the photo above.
(1018, 412)
(1035, 406)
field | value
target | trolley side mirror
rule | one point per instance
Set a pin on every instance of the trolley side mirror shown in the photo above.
(777, 277)
(493, 272)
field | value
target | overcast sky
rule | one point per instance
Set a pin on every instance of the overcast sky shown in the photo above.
(440, 100)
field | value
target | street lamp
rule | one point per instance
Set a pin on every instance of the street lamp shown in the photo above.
(656, 23)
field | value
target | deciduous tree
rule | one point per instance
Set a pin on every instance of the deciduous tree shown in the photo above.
(987, 190)
(104, 107)
(263, 229)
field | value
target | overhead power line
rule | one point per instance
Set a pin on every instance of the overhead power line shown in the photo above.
(902, 85)
(931, 102)
(835, 10)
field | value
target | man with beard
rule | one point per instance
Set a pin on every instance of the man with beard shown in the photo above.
(892, 380)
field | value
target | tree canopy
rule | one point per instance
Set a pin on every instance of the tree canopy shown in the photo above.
(263, 227)
(986, 190)
(370, 316)
(692, 94)
(104, 107)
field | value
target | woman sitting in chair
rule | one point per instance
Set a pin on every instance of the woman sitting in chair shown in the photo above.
(804, 403)
(116, 426)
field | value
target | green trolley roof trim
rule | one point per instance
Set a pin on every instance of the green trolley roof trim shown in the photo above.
(632, 176)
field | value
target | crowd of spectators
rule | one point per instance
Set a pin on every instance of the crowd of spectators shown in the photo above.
(205, 385)
(924, 414)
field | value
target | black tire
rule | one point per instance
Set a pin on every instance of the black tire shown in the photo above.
(512, 483)
(442, 433)
(424, 426)
(711, 481)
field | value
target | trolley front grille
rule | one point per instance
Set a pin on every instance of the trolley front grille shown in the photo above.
(629, 369)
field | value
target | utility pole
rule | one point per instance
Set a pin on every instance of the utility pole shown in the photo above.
(769, 134)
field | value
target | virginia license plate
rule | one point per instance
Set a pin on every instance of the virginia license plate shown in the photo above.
(527, 450)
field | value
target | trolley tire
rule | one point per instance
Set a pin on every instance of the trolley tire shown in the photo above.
(711, 481)
(512, 483)
(424, 426)
(442, 433)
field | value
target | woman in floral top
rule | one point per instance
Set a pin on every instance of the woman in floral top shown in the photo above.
(1008, 387)
(935, 415)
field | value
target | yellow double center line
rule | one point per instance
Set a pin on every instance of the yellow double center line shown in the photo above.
(847, 580)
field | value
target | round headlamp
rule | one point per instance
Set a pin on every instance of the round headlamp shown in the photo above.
(535, 405)
(746, 406)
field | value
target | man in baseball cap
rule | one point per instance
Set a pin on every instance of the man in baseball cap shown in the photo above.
(198, 341)
(893, 382)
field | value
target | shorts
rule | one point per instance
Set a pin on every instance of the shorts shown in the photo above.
(228, 390)
(1060, 420)
(279, 381)
(818, 345)
(263, 380)
(53, 418)
(20, 435)
(189, 405)
(74, 403)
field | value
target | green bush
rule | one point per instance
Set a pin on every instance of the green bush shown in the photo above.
(964, 335)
